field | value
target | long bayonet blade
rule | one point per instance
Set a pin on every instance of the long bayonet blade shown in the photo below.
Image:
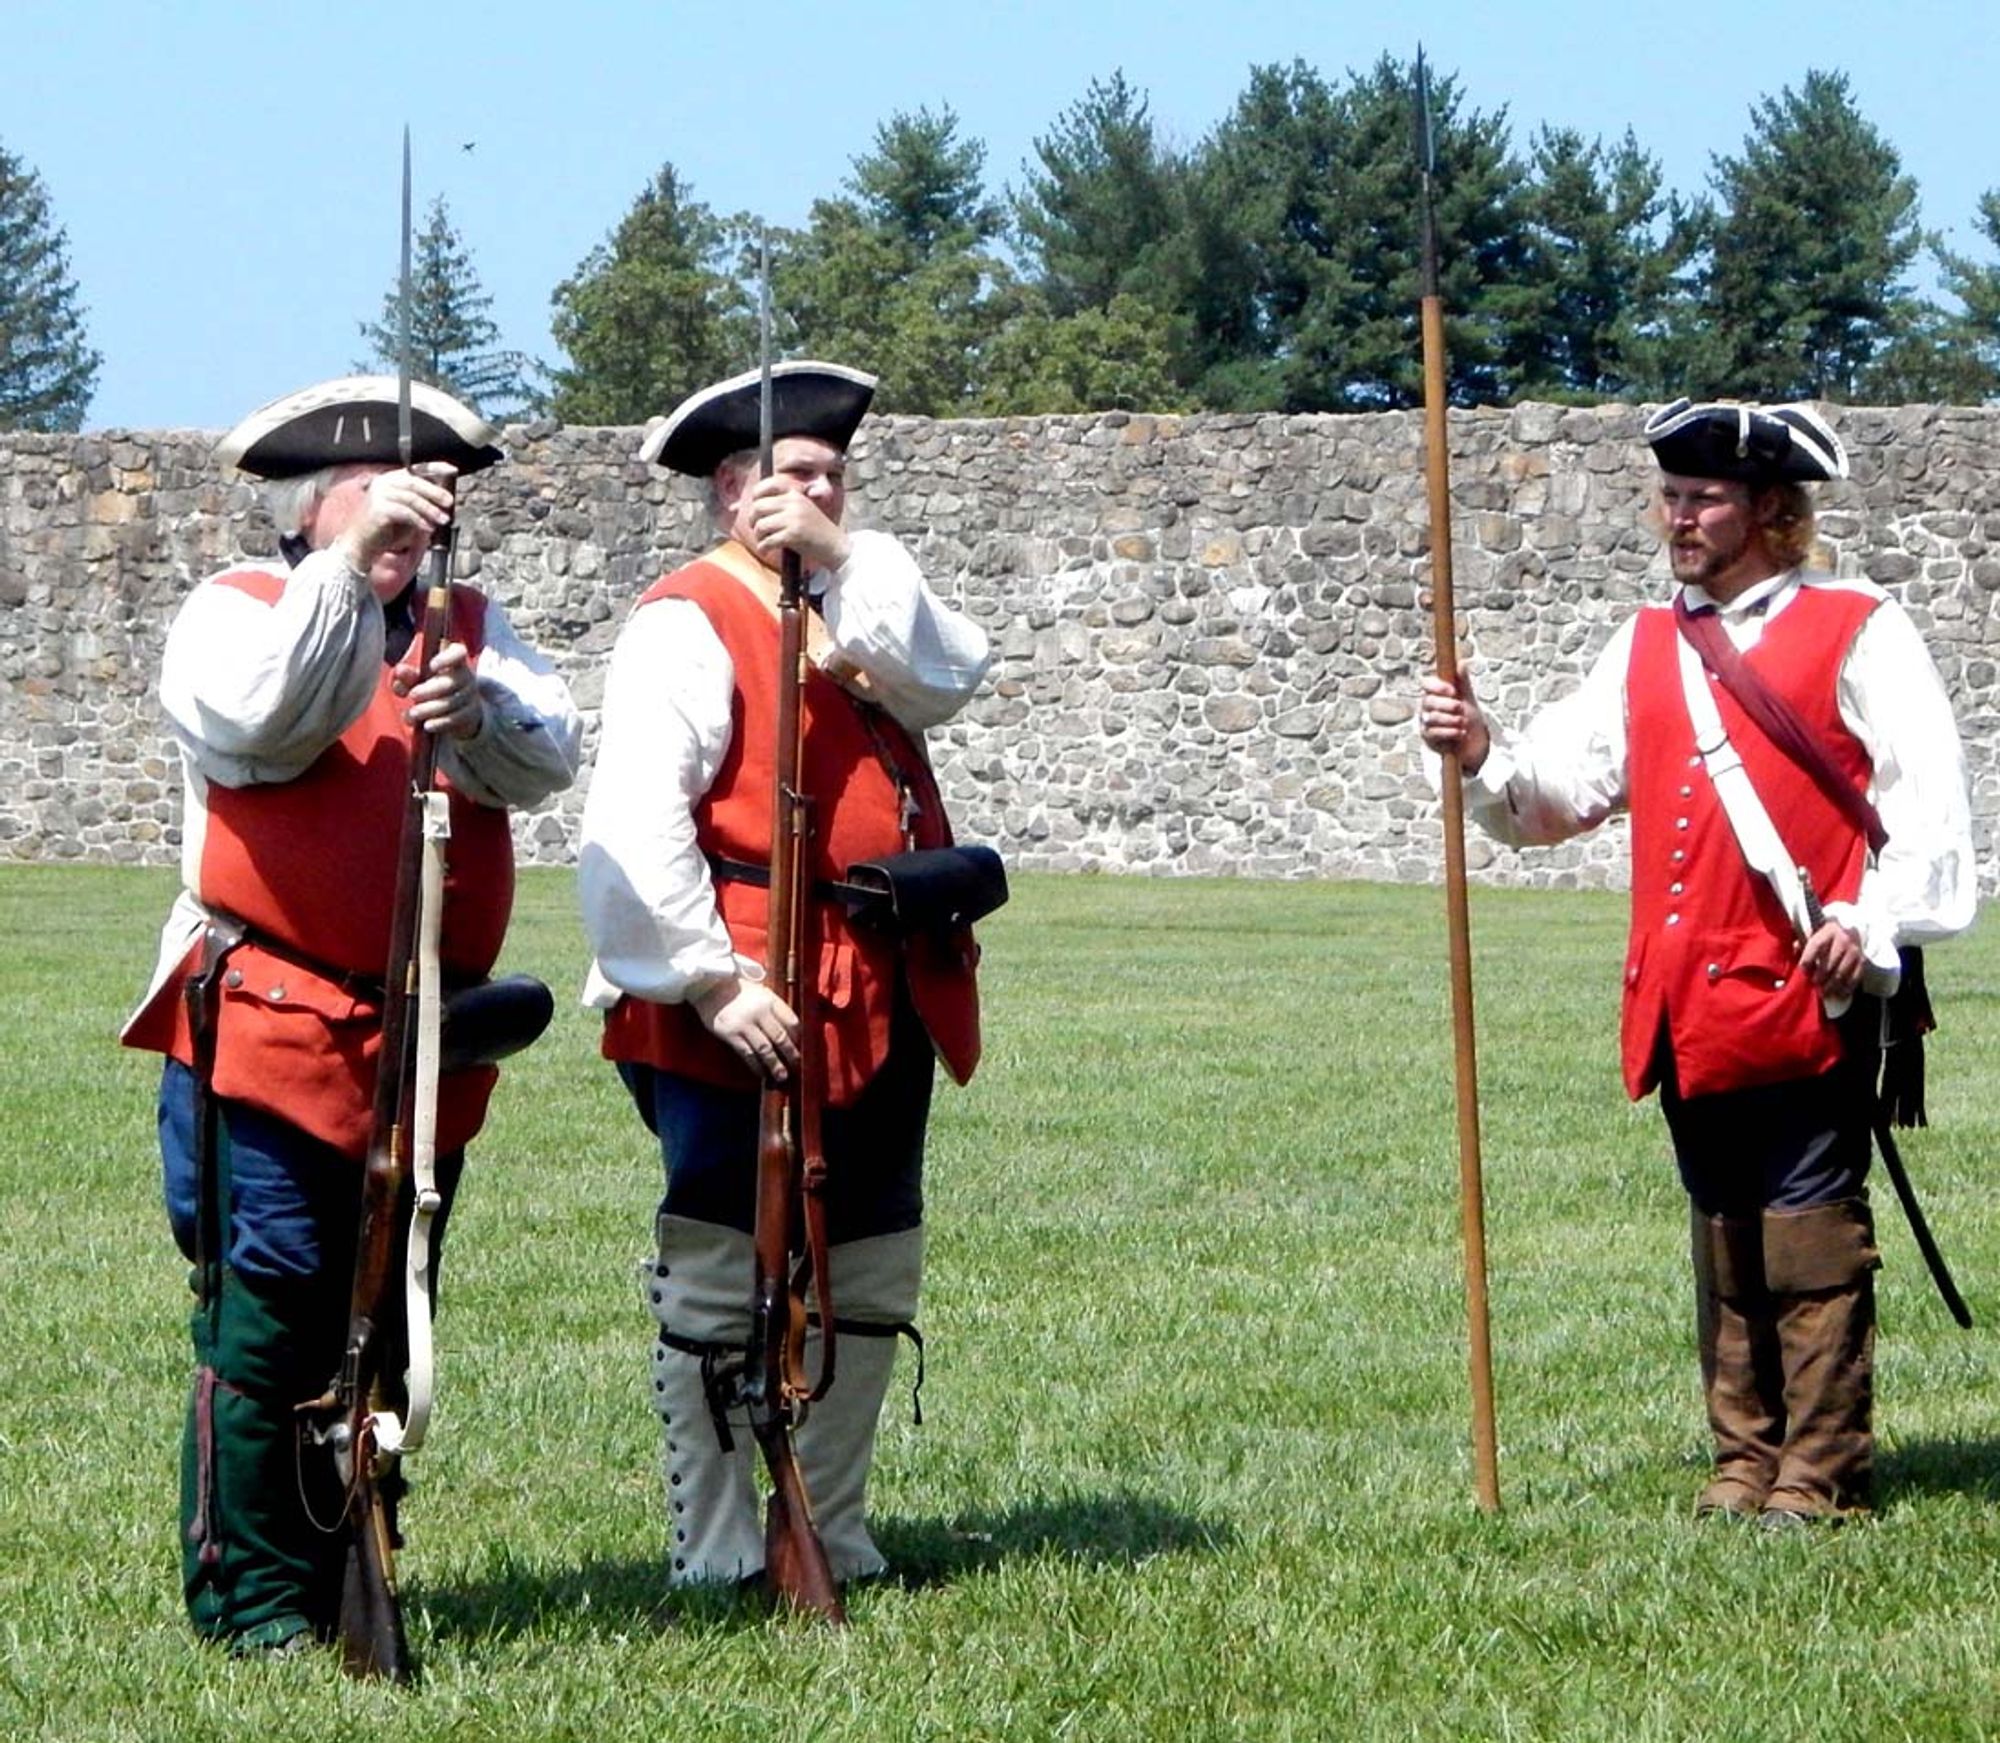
(764, 411)
(1426, 144)
(405, 440)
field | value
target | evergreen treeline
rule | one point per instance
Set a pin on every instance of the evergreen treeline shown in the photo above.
(1272, 265)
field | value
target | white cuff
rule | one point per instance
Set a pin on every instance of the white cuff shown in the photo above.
(1884, 971)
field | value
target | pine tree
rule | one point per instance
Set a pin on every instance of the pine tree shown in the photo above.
(925, 185)
(1949, 356)
(1816, 224)
(900, 274)
(651, 314)
(1313, 193)
(453, 341)
(1107, 228)
(1977, 286)
(1106, 204)
(47, 369)
(1269, 175)
(1597, 318)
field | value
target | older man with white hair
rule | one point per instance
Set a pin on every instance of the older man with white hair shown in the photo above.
(293, 692)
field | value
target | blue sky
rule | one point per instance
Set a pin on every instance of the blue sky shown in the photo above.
(227, 172)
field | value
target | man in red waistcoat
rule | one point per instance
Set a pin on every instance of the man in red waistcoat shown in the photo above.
(290, 686)
(1764, 1044)
(676, 840)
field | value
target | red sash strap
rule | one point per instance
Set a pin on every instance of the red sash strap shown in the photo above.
(1776, 718)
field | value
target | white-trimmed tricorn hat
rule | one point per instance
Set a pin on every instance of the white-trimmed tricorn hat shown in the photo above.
(826, 400)
(351, 420)
(1752, 444)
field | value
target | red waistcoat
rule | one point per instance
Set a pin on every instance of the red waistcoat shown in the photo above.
(1713, 959)
(849, 746)
(310, 863)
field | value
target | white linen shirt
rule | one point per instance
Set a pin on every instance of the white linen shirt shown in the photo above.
(1566, 771)
(647, 894)
(256, 693)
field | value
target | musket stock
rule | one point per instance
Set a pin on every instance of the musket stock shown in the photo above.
(372, 1641)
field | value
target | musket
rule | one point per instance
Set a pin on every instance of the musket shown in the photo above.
(378, 1403)
(790, 1231)
(1437, 482)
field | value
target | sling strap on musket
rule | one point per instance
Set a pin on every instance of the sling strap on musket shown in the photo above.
(1906, 1017)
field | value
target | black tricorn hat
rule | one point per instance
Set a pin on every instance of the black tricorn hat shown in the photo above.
(807, 399)
(351, 420)
(1749, 443)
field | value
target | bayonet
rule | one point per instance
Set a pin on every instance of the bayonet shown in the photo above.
(765, 441)
(405, 439)
(1426, 144)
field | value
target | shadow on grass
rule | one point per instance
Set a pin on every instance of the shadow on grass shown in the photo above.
(600, 1597)
(1118, 1530)
(630, 1594)
(1937, 1467)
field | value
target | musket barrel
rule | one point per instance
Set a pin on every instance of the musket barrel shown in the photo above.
(789, 1222)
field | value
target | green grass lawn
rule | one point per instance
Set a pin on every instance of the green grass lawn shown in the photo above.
(1196, 1454)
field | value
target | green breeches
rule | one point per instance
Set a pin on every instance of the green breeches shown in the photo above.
(262, 1537)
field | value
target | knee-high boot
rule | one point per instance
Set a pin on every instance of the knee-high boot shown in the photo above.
(874, 1285)
(1820, 1265)
(1741, 1375)
(699, 1291)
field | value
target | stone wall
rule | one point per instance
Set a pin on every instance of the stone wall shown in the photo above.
(1209, 628)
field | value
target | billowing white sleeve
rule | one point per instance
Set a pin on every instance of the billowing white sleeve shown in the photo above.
(1924, 886)
(255, 690)
(923, 659)
(644, 883)
(1565, 771)
(532, 736)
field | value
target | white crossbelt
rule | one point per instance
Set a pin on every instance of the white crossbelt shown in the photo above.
(1751, 824)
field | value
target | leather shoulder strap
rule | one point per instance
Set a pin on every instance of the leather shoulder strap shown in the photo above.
(1776, 718)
